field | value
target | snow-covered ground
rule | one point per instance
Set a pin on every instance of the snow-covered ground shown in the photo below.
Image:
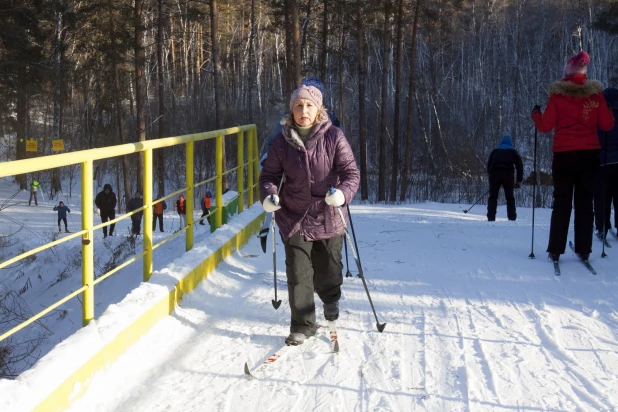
(48, 276)
(473, 324)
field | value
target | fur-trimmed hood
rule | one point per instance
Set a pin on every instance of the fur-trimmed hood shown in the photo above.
(290, 134)
(568, 88)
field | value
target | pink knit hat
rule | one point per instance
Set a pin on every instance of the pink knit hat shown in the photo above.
(577, 64)
(306, 92)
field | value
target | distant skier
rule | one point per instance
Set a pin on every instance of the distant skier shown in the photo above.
(106, 202)
(313, 154)
(157, 210)
(136, 220)
(62, 215)
(606, 187)
(34, 188)
(205, 203)
(502, 162)
(181, 209)
(576, 108)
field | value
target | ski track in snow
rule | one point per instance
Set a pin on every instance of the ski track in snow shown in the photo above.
(472, 325)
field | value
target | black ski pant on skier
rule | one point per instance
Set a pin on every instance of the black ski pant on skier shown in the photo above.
(574, 174)
(107, 215)
(505, 179)
(606, 188)
(63, 219)
(311, 266)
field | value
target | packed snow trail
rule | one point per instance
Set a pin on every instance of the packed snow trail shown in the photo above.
(472, 325)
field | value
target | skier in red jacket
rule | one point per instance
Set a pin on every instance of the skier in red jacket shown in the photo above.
(575, 109)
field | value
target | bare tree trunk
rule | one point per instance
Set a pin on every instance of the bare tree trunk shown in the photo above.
(288, 52)
(362, 69)
(341, 75)
(296, 62)
(118, 105)
(384, 102)
(161, 97)
(216, 62)
(140, 88)
(324, 58)
(21, 109)
(58, 59)
(251, 70)
(398, 63)
(303, 46)
(411, 93)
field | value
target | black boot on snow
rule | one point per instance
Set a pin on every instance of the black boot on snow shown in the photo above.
(584, 256)
(298, 338)
(554, 257)
(331, 311)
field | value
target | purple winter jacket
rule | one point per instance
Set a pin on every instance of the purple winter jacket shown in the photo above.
(310, 168)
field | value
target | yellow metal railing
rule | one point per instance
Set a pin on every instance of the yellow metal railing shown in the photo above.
(86, 159)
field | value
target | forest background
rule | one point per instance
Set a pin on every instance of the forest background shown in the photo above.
(425, 89)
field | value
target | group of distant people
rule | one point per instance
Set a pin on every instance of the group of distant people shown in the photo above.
(106, 202)
(584, 164)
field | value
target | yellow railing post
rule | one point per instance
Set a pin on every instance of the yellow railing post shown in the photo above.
(249, 168)
(219, 181)
(256, 163)
(87, 244)
(240, 172)
(190, 195)
(147, 214)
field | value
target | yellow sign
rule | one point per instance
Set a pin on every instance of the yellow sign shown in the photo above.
(57, 145)
(31, 145)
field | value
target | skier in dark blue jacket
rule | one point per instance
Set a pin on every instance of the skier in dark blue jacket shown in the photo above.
(606, 185)
(62, 215)
(501, 164)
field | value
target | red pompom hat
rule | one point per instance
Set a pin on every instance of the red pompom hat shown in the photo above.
(577, 64)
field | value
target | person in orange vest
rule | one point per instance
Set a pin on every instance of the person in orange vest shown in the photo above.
(157, 213)
(181, 208)
(206, 206)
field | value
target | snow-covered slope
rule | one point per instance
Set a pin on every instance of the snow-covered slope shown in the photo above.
(472, 324)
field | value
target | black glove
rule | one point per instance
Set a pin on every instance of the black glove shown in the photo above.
(517, 185)
(536, 108)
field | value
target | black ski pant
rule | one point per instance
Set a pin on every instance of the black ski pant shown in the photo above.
(311, 266)
(204, 213)
(64, 219)
(574, 174)
(605, 189)
(136, 224)
(154, 222)
(105, 216)
(505, 179)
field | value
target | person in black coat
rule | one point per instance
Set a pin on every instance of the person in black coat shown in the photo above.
(136, 219)
(501, 164)
(606, 186)
(106, 202)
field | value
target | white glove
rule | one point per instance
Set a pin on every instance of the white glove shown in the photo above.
(98, 211)
(335, 199)
(271, 204)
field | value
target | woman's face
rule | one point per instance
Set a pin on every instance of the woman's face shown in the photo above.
(305, 112)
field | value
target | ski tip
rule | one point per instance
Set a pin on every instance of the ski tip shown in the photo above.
(276, 304)
(336, 347)
(380, 327)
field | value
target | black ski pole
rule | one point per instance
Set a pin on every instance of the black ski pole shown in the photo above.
(477, 200)
(353, 237)
(360, 269)
(531, 255)
(605, 218)
(276, 303)
(347, 264)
